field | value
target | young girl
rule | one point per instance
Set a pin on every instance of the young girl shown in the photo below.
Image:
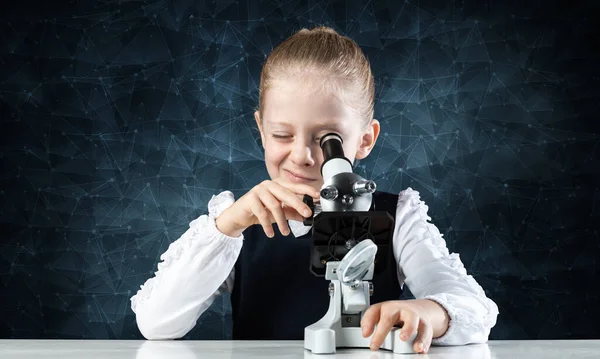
(257, 247)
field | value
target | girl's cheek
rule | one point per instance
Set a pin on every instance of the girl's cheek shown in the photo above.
(275, 153)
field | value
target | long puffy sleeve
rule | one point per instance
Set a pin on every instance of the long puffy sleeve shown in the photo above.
(195, 269)
(431, 272)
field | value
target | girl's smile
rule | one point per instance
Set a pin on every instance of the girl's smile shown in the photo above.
(294, 177)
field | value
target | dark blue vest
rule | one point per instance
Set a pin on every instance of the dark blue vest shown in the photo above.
(275, 296)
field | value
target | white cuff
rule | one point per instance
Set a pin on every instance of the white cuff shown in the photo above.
(463, 326)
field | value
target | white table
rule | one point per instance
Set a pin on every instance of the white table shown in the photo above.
(129, 349)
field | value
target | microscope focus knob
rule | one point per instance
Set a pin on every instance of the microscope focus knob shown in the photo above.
(311, 204)
(347, 200)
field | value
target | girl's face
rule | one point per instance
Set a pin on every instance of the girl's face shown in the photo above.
(292, 125)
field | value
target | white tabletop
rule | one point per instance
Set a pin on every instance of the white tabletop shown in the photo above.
(129, 349)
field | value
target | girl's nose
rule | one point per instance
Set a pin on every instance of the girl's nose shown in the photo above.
(302, 155)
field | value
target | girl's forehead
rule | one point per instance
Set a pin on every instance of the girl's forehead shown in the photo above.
(308, 122)
(294, 104)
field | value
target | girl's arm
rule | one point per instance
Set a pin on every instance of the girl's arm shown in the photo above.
(431, 272)
(196, 268)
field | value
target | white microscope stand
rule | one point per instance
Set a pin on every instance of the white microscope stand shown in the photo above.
(329, 333)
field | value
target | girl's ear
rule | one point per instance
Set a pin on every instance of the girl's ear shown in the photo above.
(260, 129)
(368, 139)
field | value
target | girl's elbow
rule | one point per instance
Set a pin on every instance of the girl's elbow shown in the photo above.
(154, 327)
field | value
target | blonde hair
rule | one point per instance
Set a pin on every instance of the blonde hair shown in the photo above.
(332, 57)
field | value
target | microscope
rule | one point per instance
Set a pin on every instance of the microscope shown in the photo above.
(347, 233)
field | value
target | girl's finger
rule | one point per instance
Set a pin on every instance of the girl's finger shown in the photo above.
(274, 207)
(291, 213)
(411, 323)
(261, 214)
(299, 189)
(424, 337)
(290, 199)
(387, 320)
(369, 319)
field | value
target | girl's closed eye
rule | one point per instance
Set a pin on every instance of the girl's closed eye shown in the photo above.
(286, 137)
(281, 136)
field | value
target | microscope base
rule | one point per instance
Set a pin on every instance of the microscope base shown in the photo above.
(326, 340)
(324, 336)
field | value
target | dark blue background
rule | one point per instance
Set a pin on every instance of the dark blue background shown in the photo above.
(119, 121)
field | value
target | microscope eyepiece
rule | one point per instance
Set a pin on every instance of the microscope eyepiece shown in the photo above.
(331, 144)
(364, 186)
(329, 193)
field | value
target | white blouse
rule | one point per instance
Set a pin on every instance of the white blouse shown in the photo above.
(199, 266)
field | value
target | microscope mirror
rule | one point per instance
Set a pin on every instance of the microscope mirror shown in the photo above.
(356, 263)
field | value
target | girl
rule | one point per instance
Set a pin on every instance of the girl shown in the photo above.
(257, 247)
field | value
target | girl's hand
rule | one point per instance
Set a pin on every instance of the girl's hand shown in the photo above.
(423, 316)
(269, 202)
